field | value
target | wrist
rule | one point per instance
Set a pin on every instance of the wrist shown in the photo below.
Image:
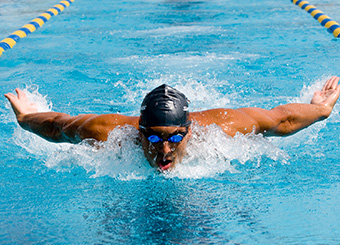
(21, 118)
(325, 110)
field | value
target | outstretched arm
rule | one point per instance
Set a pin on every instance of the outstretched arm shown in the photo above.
(290, 118)
(279, 121)
(61, 127)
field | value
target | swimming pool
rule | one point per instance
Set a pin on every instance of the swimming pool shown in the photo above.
(103, 58)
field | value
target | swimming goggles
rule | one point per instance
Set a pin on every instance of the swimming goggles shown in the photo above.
(175, 138)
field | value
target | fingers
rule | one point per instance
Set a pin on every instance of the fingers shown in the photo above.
(335, 82)
(338, 88)
(326, 85)
(331, 83)
(10, 96)
(21, 94)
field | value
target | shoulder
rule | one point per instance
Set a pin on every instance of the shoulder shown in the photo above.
(230, 120)
(215, 115)
(99, 126)
(112, 119)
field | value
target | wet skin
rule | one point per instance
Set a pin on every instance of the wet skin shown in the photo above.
(279, 121)
(164, 155)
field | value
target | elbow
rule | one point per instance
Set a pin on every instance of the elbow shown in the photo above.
(285, 128)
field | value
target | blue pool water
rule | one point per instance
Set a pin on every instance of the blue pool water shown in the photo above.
(103, 57)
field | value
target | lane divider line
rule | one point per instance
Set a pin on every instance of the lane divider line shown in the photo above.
(324, 20)
(34, 24)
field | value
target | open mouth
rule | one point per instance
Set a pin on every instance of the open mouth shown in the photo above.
(164, 164)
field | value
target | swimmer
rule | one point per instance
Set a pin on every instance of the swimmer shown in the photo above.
(165, 122)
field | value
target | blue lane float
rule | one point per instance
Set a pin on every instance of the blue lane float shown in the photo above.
(34, 24)
(324, 20)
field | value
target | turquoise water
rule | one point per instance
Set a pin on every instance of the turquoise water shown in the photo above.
(103, 58)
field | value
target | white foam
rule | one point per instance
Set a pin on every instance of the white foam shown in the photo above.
(187, 59)
(201, 95)
(173, 31)
(33, 95)
(307, 92)
(210, 151)
(121, 156)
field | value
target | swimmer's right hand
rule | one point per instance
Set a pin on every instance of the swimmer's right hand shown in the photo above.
(21, 104)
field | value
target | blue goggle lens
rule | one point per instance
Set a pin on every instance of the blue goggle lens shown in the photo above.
(174, 139)
(154, 138)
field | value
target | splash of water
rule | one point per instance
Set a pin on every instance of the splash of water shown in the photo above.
(210, 152)
(120, 156)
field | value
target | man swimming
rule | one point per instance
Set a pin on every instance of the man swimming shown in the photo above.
(165, 122)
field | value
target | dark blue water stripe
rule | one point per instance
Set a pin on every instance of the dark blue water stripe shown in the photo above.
(333, 27)
(14, 37)
(42, 18)
(36, 25)
(324, 22)
(24, 29)
(318, 15)
(59, 11)
(50, 13)
(305, 5)
(4, 45)
(311, 10)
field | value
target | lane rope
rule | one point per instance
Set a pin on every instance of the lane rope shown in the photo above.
(324, 20)
(34, 24)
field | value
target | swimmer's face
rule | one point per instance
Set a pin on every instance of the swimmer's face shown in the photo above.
(165, 154)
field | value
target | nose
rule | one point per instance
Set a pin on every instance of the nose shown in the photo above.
(165, 147)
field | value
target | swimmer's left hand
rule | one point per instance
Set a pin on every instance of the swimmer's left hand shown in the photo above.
(21, 104)
(329, 93)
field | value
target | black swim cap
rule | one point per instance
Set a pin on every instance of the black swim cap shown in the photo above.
(164, 106)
